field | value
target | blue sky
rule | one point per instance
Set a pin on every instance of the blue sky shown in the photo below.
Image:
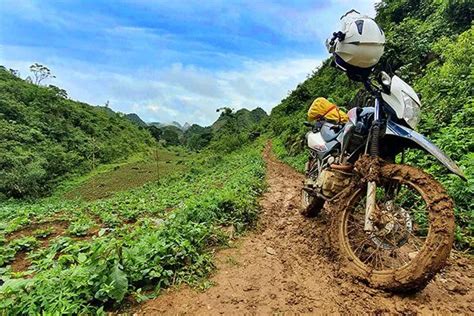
(172, 60)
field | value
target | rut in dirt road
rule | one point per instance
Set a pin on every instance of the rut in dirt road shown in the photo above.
(282, 266)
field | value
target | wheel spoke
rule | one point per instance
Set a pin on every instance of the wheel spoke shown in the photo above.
(361, 244)
(415, 238)
(375, 251)
(401, 216)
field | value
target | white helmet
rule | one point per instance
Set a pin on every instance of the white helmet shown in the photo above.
(359, 44)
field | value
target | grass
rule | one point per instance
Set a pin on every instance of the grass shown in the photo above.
(139, 240)
(134, 172)
(297, 162)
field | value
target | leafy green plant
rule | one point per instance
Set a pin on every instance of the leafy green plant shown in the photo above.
(43, 233)
(24, 243)
(162, 235)
(80, 227)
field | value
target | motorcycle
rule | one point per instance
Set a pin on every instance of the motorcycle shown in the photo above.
(391, 224)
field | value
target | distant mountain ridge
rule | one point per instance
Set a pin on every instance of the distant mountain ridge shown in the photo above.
(183, 127)
(244, 118)
(197, 137)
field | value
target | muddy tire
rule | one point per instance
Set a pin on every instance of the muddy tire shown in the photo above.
(431, 255)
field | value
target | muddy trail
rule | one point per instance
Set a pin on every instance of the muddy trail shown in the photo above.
(283, 266)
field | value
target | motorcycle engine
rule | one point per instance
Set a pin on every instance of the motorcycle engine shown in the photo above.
(330, 182)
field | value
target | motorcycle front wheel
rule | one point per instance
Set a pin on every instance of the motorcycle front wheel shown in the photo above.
(412, 236)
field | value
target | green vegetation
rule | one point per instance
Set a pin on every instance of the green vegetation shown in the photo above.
(147, 238)
(429, 45)
(135, 119)
(136, 171)
(47, 138)
(235, 129)
(229, 132)
(76, 252)
(197, 137)
(80, 256)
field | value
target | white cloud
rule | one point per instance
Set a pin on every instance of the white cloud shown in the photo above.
(179, 92)
(182, 91)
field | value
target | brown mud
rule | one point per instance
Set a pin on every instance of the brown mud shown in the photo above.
(283, 266)
(57, 226)
(21, 262)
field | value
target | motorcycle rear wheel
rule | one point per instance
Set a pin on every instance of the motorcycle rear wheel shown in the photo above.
(409, 246)
(311, 205)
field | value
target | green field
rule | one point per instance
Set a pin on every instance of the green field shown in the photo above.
(142, 168)
(82, 257)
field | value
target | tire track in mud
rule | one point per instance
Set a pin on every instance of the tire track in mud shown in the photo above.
(283, 266)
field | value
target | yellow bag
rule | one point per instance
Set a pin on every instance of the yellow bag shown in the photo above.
(321, 108)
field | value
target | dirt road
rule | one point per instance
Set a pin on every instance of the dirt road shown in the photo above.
(282, 267)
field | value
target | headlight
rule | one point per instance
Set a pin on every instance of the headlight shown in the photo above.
(412, 111)
(385, 79)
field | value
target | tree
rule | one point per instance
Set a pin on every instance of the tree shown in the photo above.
(155, 132)
(225, 110)
(58, 91)
(171, 137)
(14, 72)
(40, 73)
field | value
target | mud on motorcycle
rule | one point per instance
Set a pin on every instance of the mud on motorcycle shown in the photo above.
(392, 225)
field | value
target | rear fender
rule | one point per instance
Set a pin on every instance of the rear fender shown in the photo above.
(422, 142)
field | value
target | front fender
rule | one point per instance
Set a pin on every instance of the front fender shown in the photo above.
(422, 142)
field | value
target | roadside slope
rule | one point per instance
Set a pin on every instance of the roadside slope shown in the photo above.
(281, 267)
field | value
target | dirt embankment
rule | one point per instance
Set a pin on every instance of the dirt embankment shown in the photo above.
(282, 266)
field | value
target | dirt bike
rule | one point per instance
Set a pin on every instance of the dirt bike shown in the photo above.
(391, 224)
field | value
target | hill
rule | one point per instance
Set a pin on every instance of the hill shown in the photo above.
(229, 130)
(47, 137)
(243, 117)
(429, 45)
(77, 257)
(136, 119)
(183, 127)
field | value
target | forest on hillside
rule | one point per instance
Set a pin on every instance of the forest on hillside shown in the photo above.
(49, 138)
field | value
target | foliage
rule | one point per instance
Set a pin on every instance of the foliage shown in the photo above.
(232, 130)
(40, 73)
(160, 235)
(47, 138)
(197, 137)
(136, 119)
(429, 44)
(172, 135)
(133, 172)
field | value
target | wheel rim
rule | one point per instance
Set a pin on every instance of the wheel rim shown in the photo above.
(401, 227)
